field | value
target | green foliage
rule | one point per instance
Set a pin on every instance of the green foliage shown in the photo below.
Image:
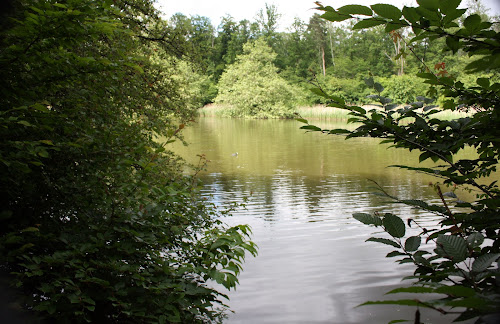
(403, 89)
(97, 221)
(458, 258)
(253, 86)
(350, 90)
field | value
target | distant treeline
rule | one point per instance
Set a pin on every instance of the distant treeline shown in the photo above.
(334, 55)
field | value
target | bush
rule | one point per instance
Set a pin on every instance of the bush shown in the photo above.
(253, 87)
(97, 221)
(403, 89)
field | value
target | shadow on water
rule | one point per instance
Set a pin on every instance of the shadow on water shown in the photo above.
(301, 189)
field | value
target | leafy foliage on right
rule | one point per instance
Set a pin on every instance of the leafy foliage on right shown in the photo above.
(459, 260)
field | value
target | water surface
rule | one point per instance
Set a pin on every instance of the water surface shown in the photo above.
(300, 190)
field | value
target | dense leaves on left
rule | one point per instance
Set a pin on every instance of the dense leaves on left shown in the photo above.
(97, 221)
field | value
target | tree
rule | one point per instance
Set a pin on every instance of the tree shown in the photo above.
(97, 221)
(253, 87)
(317, 30)
(268, 20)
(463, 266)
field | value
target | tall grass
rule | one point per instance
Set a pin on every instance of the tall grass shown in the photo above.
(322, 112)
(213, 110)
(318, 112)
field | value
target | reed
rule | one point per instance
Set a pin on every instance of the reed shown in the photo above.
(322, 112)
(318, 112)
(213, 110)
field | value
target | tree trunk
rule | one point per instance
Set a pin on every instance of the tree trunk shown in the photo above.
(323, 60)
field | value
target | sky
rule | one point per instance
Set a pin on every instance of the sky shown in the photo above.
(247, 9)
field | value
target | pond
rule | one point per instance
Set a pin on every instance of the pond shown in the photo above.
(300, 191)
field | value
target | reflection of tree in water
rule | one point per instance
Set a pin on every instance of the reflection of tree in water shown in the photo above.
(257, 191)
(289, 195)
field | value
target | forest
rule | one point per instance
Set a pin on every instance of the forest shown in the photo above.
(285, 65)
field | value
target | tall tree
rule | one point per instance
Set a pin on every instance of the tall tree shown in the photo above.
(317, 31)
(268, 20)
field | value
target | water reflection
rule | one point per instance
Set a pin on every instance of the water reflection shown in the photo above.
(314, 265)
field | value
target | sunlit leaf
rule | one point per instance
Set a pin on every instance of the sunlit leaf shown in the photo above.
(429, 4)
(447, 6)
(335, 16)
(410, 14)
(387, 11)
(355, 10)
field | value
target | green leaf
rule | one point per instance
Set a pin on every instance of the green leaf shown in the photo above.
(484, 261)
(452, 247)
(338, 100)
(302, 120)
(475, 239)
(412, 243)
(411, 14)
(394, 254)
(413, 290)
(357, 109)
(387, 11)
(335, 16)
(483, 82)
(393, 26)
(367, 219)
(447, 6)
(311, 127)
(30, 229)
(378, 87)
(319, 92)
(47, 142)
(367, 23)
(25, 123)
(338, 131)
(453, 14)
(383, 241)
(424, 156)
(402, 302)
(456, 291)
(43, 153)
(355, 10)
(453, 44)
(429, 4)
(472, 23)
(472, 302)
(394, 225)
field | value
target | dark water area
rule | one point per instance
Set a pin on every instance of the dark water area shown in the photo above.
(300, 191)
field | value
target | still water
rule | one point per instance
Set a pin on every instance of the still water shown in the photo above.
(300, 190)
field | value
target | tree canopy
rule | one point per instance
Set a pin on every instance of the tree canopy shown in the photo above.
(98, 223)
(252, 85)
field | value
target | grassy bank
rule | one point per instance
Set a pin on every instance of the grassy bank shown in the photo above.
(318, 112)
